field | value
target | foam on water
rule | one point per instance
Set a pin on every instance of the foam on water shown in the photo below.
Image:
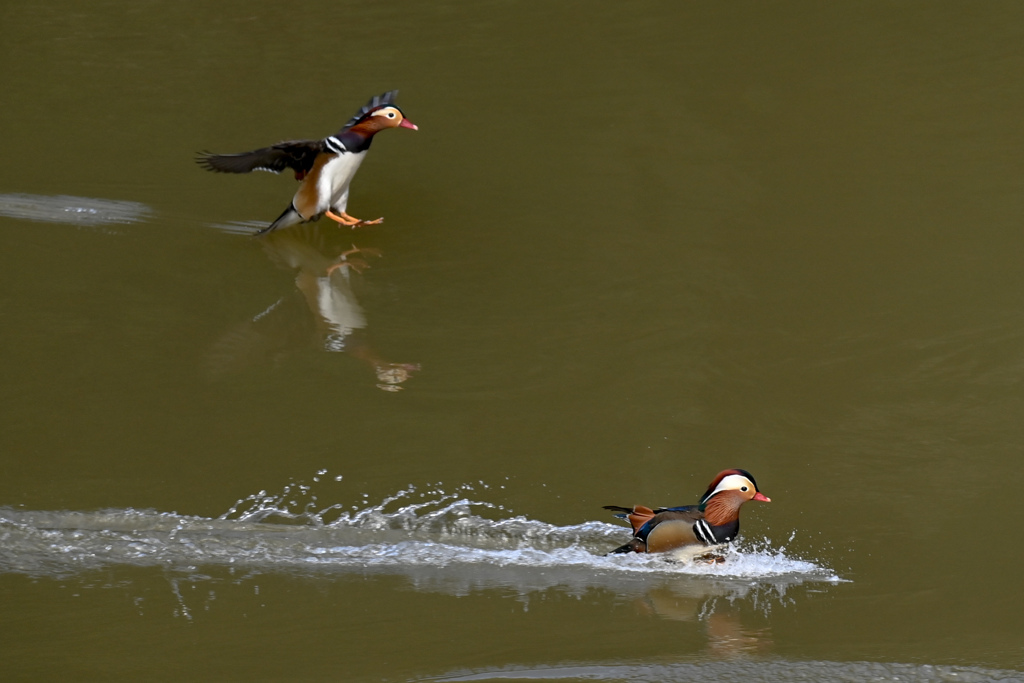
(439, 536)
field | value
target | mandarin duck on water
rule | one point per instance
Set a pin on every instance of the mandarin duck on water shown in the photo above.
(713, 521)
(324, 167)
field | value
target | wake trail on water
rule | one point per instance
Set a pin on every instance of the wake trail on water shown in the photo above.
(428, 533)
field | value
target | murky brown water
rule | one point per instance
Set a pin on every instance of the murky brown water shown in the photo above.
(630, 246)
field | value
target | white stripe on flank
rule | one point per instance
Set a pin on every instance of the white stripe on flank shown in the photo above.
(335, 145)
(703, 531)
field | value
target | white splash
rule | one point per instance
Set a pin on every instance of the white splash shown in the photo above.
(441, 538)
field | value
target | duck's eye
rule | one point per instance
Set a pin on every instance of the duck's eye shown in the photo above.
(743, 488)
(391, 114)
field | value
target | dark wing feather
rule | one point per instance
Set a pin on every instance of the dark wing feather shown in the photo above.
(688, 513)
(297, 155)
(689, 509)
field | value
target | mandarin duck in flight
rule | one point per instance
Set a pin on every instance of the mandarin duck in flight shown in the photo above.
(713, 521)
(325, 167)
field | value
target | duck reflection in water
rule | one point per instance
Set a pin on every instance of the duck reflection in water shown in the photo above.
(713, 606)
(325, 285)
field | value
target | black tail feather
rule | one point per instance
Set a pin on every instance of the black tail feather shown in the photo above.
(634, 546)
(288, 217)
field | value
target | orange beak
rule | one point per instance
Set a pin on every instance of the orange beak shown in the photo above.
(761, 497)
(406, 123)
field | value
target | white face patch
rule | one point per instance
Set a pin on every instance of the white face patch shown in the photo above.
(734, 482)
(389, 113)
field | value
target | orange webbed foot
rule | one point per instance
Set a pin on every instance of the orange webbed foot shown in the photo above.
(350, 221)
(710, 558)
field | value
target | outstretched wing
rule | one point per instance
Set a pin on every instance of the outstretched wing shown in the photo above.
(297, 155)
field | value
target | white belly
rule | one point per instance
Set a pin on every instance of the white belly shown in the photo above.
(335, 178)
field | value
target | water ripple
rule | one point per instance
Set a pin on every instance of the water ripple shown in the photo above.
(83, 211)
(738, 670)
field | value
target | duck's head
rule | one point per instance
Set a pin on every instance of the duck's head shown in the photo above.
(379, 114)
(737, 485)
